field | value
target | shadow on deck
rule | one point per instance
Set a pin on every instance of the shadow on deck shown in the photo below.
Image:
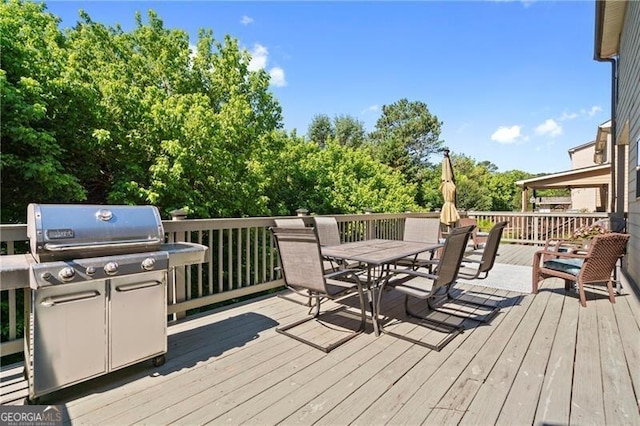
(542, 360)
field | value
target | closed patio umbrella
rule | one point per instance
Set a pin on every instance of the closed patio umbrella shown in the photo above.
(449, 214)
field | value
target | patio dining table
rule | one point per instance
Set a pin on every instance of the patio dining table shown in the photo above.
(378, 255)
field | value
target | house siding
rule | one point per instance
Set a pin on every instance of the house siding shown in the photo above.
(585, 199)
(628, 110)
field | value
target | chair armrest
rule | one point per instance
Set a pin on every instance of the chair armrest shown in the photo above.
(557, 244)
(341, 272)
(570, 255)
(414, 273)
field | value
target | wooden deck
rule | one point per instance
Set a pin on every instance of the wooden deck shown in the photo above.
(542, 360)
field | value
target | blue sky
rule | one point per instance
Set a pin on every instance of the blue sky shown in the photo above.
(514, 82)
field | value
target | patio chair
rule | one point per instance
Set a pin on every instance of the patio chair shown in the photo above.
(594, 266)
(328, 231)
(429, 287)
(478, 239)
(488, 256)
(302, 268)
(329, 235)
(297, 222)
(480, 270)
(466, 305)
(424, 230)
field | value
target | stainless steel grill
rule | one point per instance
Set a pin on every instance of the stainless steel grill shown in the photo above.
(98, 291)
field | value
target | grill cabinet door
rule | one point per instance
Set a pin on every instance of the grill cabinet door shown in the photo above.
(70, 334)
(138, 318)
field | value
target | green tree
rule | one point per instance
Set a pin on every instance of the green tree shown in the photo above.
(320, 130)
(349, 131)
(175, 131)
(352, 181)
(505, 194)
(331, 180)
(35, 111)
(472, 191)
(405, 136)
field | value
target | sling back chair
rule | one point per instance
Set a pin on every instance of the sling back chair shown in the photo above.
(329, 235)
(429, 287)
(595, 266)
(478, 239)
(467, 304)
(480, 270)
(296, 222)
(424, 230)
(302, 268)
(328, 231)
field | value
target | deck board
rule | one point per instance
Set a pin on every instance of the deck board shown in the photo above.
(554, 401)
(542, 360)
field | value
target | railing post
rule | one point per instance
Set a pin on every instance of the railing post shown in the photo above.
(371, 229)
(178, 274)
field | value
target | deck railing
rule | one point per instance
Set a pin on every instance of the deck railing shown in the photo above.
(241, 260)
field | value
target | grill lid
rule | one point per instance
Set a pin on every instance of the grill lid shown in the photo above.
(67, 231)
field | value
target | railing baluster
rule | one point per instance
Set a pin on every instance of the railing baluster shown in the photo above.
(210, 261)
(229, 247)
(220, 261)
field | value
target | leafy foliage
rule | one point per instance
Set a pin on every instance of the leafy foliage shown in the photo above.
(34, 111)
(349, 131)
(405, 136)
(320, 130)
(96, 114)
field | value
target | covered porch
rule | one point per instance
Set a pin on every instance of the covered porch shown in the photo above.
(598, 177)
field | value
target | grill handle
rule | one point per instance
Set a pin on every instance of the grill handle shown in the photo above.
(68, 298)
(132, 243)
(137, 286)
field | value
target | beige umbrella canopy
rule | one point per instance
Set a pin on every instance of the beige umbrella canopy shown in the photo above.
(449, 214)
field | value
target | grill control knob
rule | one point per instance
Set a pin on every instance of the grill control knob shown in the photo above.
(148, 264)
(66, 274)
(111, 268)
(90, 270)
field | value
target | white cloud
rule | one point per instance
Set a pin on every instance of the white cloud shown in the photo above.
(507, 135)
(594, 110)
(277, 77)
(582, 113)
(549, 127)
(371, 108)
(259, 55)
(568, 116)
(259, 59)
(246, 20)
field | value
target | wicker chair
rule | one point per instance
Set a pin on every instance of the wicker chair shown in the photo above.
(302, 268)
(595, 266)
